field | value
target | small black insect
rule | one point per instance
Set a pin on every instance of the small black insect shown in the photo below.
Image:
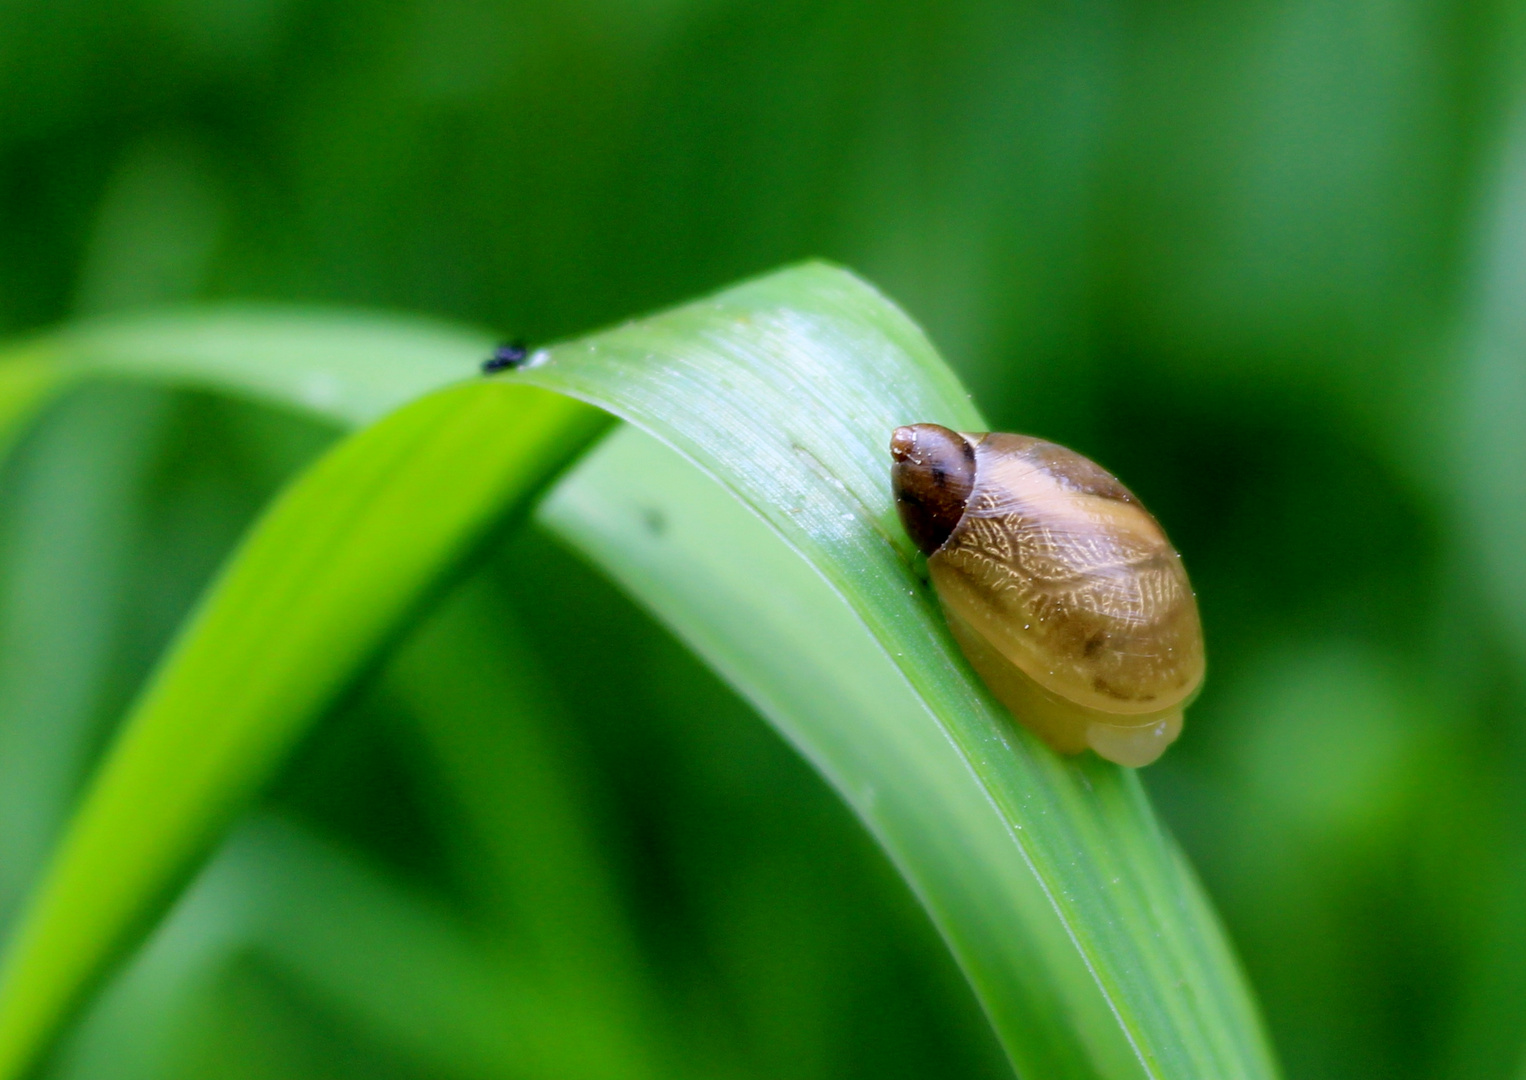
(508, 355)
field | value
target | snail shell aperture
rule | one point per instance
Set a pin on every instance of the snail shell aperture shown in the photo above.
(1061, 589)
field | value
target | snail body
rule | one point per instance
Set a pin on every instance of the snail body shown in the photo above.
(1061, 589)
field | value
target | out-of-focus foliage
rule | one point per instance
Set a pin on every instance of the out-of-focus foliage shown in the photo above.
(1262, 259)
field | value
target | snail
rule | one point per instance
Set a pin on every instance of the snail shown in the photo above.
(1060, 588)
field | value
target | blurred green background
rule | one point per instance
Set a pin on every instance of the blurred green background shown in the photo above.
(1266, 260)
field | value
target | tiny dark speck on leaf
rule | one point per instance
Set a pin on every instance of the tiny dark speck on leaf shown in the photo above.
(654, 520)
(510, 354)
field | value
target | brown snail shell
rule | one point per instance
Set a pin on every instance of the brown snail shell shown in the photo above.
(1061, 589)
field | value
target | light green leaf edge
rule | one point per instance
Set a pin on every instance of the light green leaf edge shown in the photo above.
(1091, 946)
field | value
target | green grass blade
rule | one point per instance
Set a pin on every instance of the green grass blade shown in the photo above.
(342, 366)
(331, 572)
(345, 366)
(1087, 939)
(1089, 942)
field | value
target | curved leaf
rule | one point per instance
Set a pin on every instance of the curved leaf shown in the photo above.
(785, 390)
(352, 368)
(333, 569)
(1083, 932)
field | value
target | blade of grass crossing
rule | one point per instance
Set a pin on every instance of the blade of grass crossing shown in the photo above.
(346, 366)
(327, 576)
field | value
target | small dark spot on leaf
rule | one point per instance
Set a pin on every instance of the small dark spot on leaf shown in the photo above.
(511, 354)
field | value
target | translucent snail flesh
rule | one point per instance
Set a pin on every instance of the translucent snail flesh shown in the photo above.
(1061, 589)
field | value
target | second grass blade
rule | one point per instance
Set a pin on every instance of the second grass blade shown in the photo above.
(329, 574)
